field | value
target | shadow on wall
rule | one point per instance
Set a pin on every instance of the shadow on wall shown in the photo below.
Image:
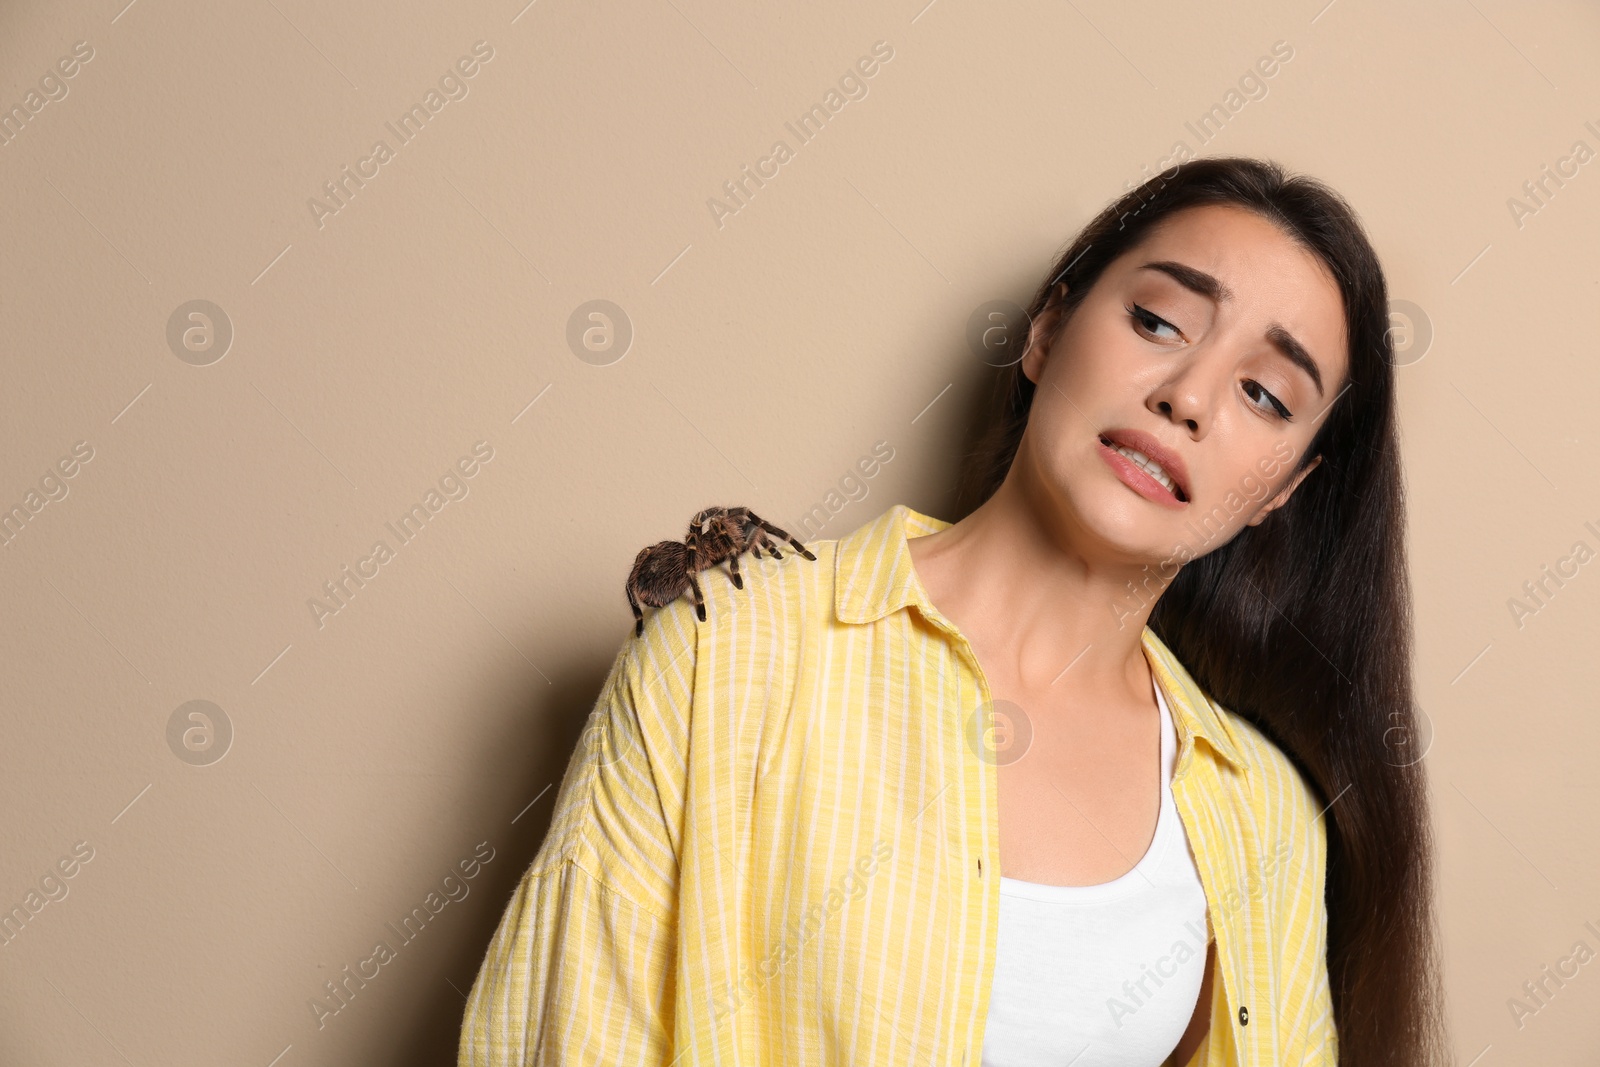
(534, 749)
(538, 756)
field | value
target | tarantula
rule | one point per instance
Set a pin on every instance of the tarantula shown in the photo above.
(663, 571)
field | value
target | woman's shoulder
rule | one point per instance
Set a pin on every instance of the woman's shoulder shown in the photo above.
(773, 599)
(857, 576)
(1274, 786)
(768, 590)
(1282, 796)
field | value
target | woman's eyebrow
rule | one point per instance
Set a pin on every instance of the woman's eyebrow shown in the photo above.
(1198, 281)
(1215, 290)
(1285, 342)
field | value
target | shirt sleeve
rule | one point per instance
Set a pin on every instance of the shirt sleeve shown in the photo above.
(1317, 1039)
(580, 969)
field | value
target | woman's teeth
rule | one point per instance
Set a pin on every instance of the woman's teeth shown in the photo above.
(1150, 467)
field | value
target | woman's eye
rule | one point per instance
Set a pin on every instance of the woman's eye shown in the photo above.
(1256, 392)
(1150, 322)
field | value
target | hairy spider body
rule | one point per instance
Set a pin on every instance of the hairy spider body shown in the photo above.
(664, 571)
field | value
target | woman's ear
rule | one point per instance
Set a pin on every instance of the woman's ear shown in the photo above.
(1283, 494)
(1033, 357)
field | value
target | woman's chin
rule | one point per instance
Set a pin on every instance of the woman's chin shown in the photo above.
(1124, 525)
(1131, 543)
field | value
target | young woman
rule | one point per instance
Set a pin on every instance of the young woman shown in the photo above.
(1113, 770)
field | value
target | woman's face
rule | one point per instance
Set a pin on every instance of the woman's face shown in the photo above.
(1213, 348)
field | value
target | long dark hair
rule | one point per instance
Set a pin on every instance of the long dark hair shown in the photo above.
(1302, 624)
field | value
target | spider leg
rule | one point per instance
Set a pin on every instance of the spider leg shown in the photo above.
(760, 542)
(699, 601)
(638, 616)
(767, 526)
(733, 565)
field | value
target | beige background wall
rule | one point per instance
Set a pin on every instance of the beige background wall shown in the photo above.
(373, 347)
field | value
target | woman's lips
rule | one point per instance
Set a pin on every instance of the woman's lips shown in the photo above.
(1137, 479)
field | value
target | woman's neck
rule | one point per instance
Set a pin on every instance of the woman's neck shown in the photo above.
(1034, 608)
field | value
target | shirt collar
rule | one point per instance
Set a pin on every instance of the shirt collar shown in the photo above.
(874, 576)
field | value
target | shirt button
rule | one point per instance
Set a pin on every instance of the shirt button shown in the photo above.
(1244, 1015)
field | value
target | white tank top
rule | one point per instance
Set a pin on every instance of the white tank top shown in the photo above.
(1103, 975)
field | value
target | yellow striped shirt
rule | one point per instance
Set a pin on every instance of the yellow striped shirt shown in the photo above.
(775, 844)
